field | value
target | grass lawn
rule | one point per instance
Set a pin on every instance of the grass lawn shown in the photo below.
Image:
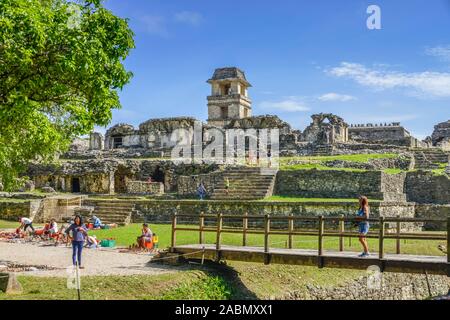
(176, 285)
(127, 235)
(363, 158)
(239, 280)
(316, 166)
(4, 224)
(298, 199)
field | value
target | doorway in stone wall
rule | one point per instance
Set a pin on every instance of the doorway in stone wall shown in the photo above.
(76, 185)
(121, 176)
(158, 175)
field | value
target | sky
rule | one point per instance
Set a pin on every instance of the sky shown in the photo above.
(301, 57)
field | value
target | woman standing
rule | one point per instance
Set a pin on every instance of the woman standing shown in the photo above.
(79, 235)
(363, 226)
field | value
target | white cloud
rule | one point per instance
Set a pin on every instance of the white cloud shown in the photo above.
(189, 17)
(429, 83)
(155, 25)
(441, 52)
(336, 97)
(290, 104)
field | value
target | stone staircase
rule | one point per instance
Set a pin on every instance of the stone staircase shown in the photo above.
(246, 183)
(427, 159)
(113, 211)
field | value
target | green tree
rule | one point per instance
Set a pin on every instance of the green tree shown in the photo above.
(61, 66)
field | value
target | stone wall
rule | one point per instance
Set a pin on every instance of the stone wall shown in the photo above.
(425, 187)
(143, 187)
(160, 211)
(433, 211)
(188, 185)
(328, 184)
(384, 133)
(14, 210)
(393, 286)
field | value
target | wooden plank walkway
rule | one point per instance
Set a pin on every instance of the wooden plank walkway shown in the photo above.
(330, 259)
(322, 258)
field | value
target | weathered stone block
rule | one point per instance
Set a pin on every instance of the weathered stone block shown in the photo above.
(9, 283)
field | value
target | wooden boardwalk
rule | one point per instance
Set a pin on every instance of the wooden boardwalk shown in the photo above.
(330, 259)
(398, 262)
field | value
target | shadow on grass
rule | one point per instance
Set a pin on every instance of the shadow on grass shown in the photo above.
(212, 269)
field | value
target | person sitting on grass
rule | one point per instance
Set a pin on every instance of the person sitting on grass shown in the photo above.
(26, 223)
(52, 228)
(146, 236)
(363, 225)
(96, 222)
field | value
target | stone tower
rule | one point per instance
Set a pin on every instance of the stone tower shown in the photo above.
(229, 97)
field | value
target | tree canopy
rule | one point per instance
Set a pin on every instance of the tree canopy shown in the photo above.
(61, 67)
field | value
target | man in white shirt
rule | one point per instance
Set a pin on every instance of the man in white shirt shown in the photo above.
(25, 223)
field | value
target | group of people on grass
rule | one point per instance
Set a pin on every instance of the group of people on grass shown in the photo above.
(78, 231)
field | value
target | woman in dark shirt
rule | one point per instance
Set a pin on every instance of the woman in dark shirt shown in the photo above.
(79, 234)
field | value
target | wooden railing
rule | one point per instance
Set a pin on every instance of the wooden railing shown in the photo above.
(321, 232)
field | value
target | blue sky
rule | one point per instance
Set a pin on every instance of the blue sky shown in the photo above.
(302, 57)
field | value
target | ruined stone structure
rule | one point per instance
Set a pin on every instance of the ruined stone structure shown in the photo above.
(441, 135)
(119, 161)
(326, 129)
(391, 134)
(230, 107)
(229, 97)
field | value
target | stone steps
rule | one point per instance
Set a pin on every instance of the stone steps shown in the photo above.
(245, 184)
(428, 159)
(113, 211)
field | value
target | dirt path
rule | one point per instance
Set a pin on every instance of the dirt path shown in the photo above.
(96, 261)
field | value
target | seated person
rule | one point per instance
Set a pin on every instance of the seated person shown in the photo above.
(146, 236)
(97, 223)
(51, 228)
(92, 242)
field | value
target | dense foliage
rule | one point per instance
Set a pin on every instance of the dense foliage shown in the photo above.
(61, 66)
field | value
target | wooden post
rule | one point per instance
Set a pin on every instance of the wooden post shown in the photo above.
(398, 235)
(291, 229)
(321, 227)
(448, 243)
(244, 229)
(202, 226)
(218, 235)
(266, 233)
(174, 227)
(381, 238)
(341, 233)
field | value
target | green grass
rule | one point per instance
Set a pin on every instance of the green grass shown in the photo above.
(316, 166)
(176, 285)
(318, 162)
(127, 235)
(441, 170)
(362, 158)
(12, 200)
(276, 281)
(298, 199)
(4, 224)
